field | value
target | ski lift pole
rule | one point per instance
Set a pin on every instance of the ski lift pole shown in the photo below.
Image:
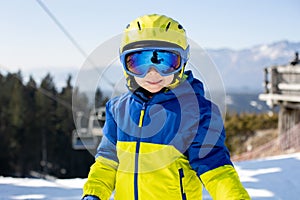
(79, 116)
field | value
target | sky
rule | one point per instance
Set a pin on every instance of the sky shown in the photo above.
(30, 40)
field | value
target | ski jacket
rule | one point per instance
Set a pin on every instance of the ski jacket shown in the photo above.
(163, 147)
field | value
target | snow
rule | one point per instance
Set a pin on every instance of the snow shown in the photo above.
(272, 178)
(265, 179)
(29, 188)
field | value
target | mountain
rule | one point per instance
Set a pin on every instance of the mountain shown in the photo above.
(243, 70)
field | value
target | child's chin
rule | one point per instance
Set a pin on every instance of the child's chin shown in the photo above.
(153, 90)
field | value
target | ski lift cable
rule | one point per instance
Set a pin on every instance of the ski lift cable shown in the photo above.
(69, 36)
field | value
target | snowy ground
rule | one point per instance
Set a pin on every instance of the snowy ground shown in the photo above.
(265, 179)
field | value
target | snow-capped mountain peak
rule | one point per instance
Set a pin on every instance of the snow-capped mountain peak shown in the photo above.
(242, 69)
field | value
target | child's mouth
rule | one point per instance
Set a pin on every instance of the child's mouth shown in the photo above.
(154, 82)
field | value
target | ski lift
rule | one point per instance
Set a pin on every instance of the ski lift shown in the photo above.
(88, 138)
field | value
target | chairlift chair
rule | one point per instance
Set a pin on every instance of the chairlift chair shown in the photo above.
(89, 138)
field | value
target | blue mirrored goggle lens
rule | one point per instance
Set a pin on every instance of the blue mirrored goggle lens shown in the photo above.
(139, 62)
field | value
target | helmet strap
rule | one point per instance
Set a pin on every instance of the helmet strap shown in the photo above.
(178, 78)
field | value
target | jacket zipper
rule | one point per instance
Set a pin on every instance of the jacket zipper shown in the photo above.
(142, 115)
(181, 175)
(136, 171)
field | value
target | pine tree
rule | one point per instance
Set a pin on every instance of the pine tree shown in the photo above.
(46, 121)
(65, 126)
(5, 153)
(98, 98)
(32, 141)
(16, 109)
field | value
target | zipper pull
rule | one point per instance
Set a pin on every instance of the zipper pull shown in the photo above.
(142, 115)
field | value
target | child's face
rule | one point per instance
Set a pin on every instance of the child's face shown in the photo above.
(153, 81)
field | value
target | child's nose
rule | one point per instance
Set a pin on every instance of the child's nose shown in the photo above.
(152, 70)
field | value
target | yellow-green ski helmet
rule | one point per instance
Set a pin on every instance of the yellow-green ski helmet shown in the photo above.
(154, 30)
(154, 27)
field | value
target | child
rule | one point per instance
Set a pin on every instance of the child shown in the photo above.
(163, 139)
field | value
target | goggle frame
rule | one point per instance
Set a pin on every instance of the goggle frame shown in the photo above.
(184, 56)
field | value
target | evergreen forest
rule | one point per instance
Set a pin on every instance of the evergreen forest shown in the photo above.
(36, 124)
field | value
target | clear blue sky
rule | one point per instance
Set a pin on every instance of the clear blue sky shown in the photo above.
(30, 39)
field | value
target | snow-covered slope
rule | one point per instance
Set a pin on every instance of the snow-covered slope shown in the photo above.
(266, 179)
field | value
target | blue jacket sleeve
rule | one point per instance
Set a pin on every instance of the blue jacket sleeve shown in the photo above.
(210, 158)
(208, 150)
(101, 178)
(107, 147)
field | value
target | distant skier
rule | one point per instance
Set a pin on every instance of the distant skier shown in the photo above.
(162, 139)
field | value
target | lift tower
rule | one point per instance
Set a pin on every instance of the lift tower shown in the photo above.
(282, 88)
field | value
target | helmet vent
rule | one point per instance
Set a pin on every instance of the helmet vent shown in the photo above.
(168, 26)
(138, 23)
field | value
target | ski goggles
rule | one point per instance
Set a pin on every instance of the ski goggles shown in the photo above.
(166, 61)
